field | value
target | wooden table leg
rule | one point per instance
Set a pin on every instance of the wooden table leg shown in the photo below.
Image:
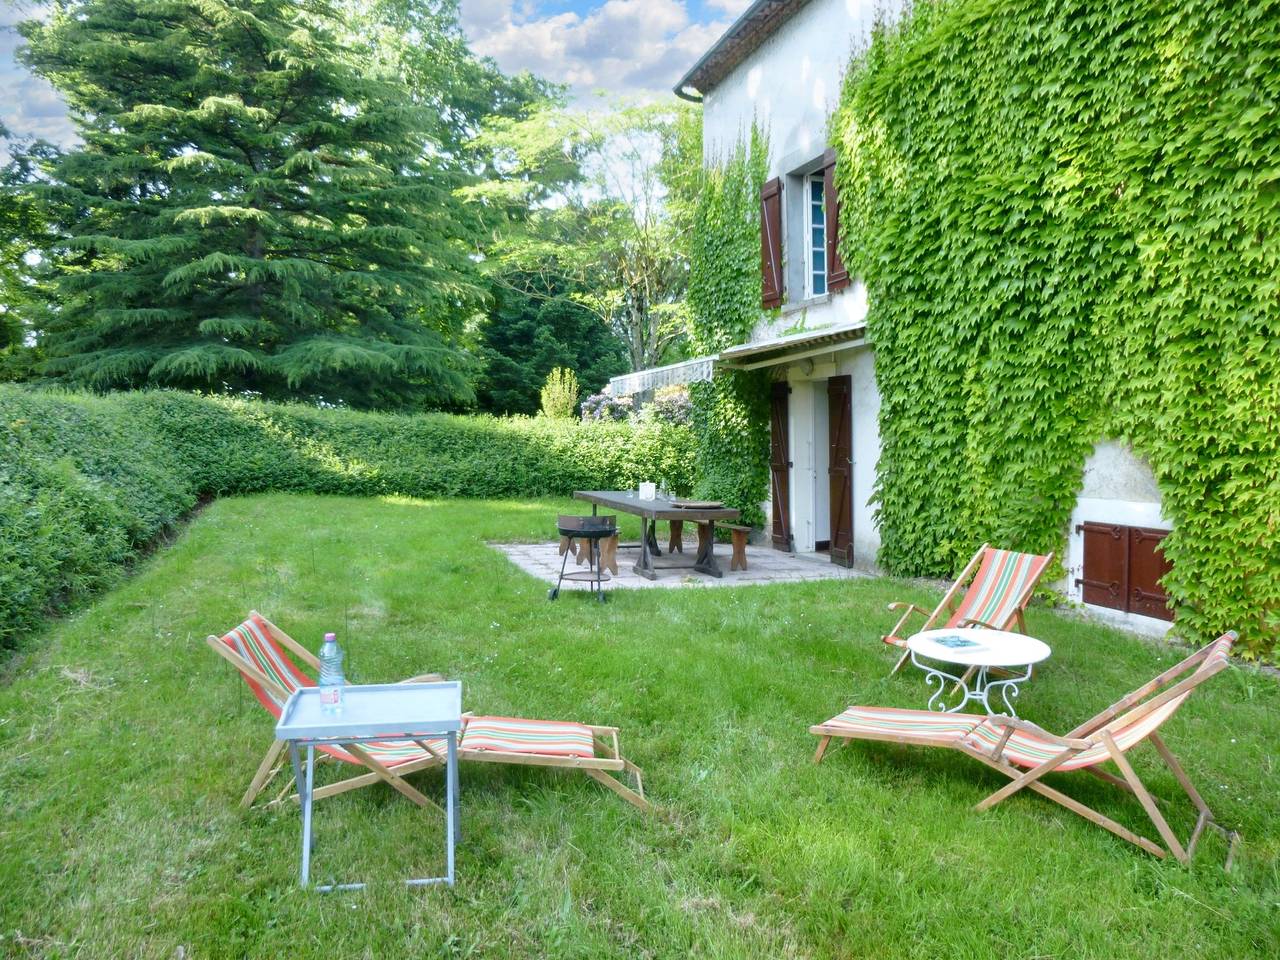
(644, 566)
(676, 543)
(706, 562)
(652, 536)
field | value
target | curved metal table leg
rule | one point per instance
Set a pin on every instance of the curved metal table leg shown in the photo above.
(1008, 690)
(932, 674)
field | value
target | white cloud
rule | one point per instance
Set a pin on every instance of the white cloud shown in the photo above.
(30, 107)
(731, 7)
(627, 47)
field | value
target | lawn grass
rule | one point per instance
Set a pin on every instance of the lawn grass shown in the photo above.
(125, 745)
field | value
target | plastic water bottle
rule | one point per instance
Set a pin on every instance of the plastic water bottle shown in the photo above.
(331, 679)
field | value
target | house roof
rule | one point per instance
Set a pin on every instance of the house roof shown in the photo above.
(744, 356)
(742, 39)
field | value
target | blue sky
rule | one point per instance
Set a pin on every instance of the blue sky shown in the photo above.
(633, 48)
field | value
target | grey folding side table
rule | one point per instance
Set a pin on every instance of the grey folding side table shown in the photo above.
(374, 712)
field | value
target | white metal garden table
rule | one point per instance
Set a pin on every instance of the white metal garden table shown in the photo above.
(374, 712)
(978, 650)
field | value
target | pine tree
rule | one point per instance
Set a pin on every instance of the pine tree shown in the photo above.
(524, 337)
(252, 208)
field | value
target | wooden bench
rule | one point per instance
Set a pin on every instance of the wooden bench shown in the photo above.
(740, 533)
(676, 543)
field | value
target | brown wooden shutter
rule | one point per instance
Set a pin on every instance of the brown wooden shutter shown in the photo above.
(780, 468)
(1146, 566)
(1105, 582)
(771, 244)
(1122, 569)
(837, 274)
(840, 468)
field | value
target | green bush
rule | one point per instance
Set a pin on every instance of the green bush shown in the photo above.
(87, 481)
(560, 394)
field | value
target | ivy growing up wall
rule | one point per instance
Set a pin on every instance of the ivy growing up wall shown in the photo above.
(1067, 214)
(731, 412)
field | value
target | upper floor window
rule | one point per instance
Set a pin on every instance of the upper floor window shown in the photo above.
(817, 236)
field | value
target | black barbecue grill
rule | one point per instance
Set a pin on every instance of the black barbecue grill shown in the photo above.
(588, 531)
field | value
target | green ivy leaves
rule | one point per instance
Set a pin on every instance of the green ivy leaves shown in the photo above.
(1066, 215)
(732, 411)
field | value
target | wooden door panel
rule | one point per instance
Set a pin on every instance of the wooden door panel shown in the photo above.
(1123, 567)
(840, 468)
(780, 467)
(1146, 567)
(1105, 580)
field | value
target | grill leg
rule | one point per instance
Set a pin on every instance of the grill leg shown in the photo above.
(599, 571)
(555, 591)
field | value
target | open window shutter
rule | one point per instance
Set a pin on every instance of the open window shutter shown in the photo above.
(771, 244)
(837, 275)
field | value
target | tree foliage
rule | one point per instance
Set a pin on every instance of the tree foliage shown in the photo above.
(1066, 215)
(524, 337)
(258, 205)
(23, 230)
(599, 230)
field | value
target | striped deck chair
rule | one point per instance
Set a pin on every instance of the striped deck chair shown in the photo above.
(999, 586)
(1025, 753)
(260, 651)
(258, 648)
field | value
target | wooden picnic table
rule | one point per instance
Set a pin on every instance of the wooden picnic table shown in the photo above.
(650, 512)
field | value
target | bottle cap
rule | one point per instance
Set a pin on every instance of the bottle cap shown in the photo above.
(330, 636)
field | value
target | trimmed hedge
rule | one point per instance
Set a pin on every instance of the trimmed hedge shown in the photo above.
(88, 481)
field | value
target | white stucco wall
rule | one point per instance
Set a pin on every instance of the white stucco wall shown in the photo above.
(790, 86)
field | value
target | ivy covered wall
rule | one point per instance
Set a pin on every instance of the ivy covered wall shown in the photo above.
(1067, 214)
(731, 412)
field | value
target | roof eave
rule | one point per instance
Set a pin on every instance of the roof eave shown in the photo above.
(690, 87)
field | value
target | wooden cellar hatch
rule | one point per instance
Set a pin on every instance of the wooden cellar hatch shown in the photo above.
(1123, 567)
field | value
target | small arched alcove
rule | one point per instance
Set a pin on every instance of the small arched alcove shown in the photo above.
(1114, 562)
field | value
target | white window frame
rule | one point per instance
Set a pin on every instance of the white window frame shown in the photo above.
(810, 252)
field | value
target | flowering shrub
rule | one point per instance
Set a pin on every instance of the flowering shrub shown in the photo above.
(603, 406)
(671, 405)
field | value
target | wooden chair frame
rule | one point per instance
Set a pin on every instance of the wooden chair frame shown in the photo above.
(1097, 731)
(947, 605)
(604, 770)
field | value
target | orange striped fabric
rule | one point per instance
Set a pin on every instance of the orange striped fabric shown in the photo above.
(892, 721)
(997, 590)
(549, 738)
(1219, 653)
(391, 753)
(252, 640)
(1027, 749)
